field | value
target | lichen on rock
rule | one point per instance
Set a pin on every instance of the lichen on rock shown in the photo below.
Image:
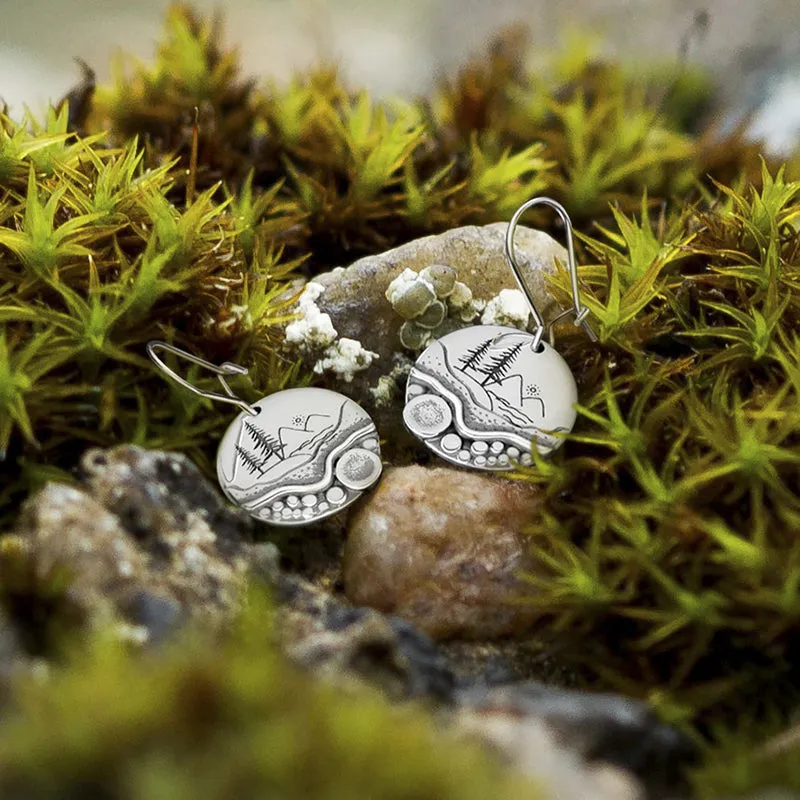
(313, 334)
(145, 542)
(509, 308)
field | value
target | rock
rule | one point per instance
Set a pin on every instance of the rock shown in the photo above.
(598, 727)
(13, 654)
(145, 542)
(322, 633)
(443, 549)
(355, 297)
(355, 301)
(530, 747)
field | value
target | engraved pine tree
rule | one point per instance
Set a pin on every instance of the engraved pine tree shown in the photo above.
(472, 358)
(264, 443)
(250, 461)
(499, 365)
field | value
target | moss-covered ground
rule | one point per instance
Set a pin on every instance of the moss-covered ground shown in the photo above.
(180, 200)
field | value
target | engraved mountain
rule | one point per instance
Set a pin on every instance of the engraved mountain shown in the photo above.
(272, 459)
(490, 389)
(267, 457)
(488, 374)
(316, 428)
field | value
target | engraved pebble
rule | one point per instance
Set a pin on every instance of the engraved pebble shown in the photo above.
(358, 468)
(292, 501)
(427, 415)
(479, 448)
(451, 442)
(497, 447)
(309, 500)
(335, 495)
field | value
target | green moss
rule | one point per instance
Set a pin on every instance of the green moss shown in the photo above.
(667, 539)
(200, 719)
(192, 194)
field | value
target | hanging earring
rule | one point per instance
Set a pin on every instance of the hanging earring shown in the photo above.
(294, 457)
(480, 397)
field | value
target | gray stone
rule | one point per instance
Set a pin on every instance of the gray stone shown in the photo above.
(443, 548)
(598, 727)
(355, 297)
(321, 632)
(145, 541)
(529, 746)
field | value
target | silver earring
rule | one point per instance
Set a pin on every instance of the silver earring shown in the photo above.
(480, 397)
(294, 457)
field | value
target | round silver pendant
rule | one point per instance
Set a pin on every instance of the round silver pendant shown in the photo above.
(481, 397)
(307, 454)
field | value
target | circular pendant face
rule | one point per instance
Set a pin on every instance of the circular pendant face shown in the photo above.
(480, 397)
(307, 454)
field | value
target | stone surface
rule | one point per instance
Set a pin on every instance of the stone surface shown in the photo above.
(145, 542)
(599, 728)
(443, 549)
(531, 747)
(325, 634)
(354, 305)
(355, 298)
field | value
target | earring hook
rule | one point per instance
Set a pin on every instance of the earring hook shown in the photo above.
(580, 312)
(221, 371)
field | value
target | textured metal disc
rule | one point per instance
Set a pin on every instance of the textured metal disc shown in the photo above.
(307, 454)
(481, 397)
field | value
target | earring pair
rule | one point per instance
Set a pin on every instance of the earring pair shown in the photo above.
(479, 397)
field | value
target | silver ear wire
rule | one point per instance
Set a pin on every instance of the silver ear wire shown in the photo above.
(580, 312)
(220, 371)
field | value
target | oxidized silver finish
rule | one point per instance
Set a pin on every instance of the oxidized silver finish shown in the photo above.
(306, 454)
(482, 396)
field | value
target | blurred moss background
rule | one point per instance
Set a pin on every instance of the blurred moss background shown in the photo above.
(404, 48)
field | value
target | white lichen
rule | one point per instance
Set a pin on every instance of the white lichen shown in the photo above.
(442, 277)
(311, 293)
(460, 297)
(462, 304)
(402, 283)
(413, 337)
(344, 358)
(508, 308)
(313, 334)
(313, 329)
(387, 389)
